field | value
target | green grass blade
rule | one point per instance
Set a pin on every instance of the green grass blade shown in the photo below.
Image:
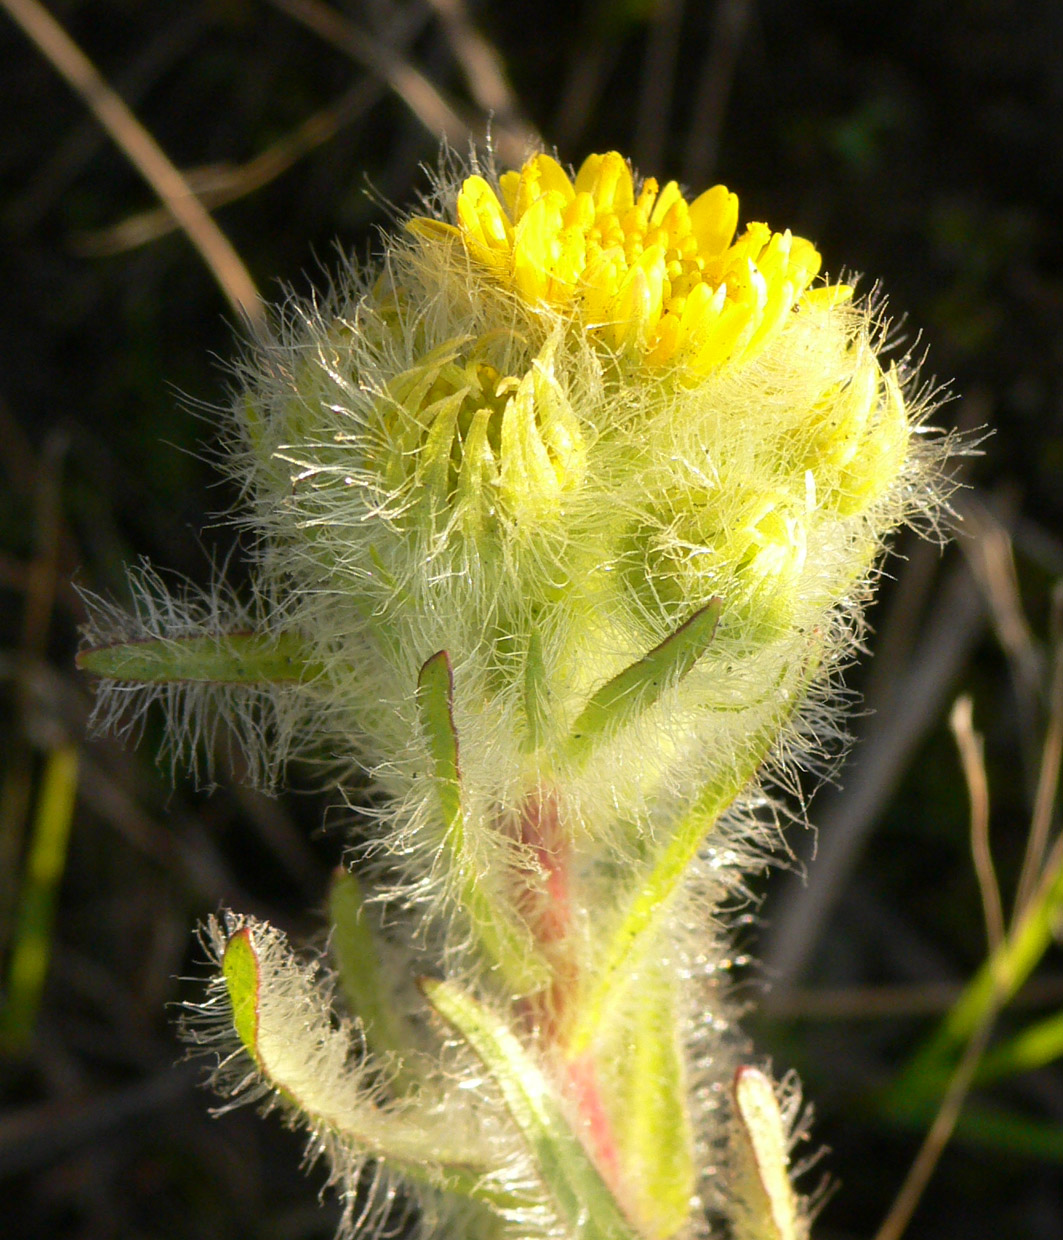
(991, 1128)
(45, 863)
(1034, 1047)
(992, 986)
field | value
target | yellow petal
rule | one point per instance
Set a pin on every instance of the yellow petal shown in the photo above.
(713, 219)
(827, 297)
(432, 230)
(536, 245)
(484, 223)
(509, 184)
(669, 195)
(607, 178)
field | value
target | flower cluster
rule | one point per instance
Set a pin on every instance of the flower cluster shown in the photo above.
(563, 515)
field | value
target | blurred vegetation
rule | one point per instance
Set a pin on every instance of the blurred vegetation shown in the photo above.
(915, 140)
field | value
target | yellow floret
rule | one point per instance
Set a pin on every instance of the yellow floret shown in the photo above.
(646, 273)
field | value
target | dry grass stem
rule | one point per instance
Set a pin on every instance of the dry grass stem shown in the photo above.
(218, 185)
(972, 756)
(143, 152)
(1048, 777)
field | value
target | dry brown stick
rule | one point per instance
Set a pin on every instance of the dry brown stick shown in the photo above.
(217, 186)
(658, 79)
(482, 66)
(424, 100)
(150, 62)
(580, 96)
(989, 552)
(1048, 777)
(143, 152)
(922, 1168)
(935, 1141)
(896, 1002)
(972, 756)
(714, 89)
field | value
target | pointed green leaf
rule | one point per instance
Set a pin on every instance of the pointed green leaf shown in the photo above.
(582, 1198)
(649, 1099)
(767, 1207)
(239, 966)
(223, 658)
(639, 686)
(506, 940)
(285, 1028)
(435, 704)
(654, 887)
(357, 954)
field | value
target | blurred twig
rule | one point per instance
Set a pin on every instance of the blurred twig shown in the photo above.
(482, 65)
(972, 757)
(922, 1168)
(438, 115)
(941, 1130)
(860, 1003)
(654, 107)
(162, 49)
(919, 693)
(141, 149)
(988, 548)
(714, 89)
(1048, 777)
(216, 186)
(581, 93)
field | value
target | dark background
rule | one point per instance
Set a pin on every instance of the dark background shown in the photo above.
(918, 142)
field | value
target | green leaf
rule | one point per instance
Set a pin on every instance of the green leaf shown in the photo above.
(583, 1200)
(650, 895)
(649, 1102)
(619, 701)
(506, 940)
(435, 704)
(761, 1163)
(357, 954)
(239, 967)
(223, 658)
(273, 1034)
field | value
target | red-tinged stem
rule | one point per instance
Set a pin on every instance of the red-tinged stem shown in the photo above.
(584, 1091)
(549, 912)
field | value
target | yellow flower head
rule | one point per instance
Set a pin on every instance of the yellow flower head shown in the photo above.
(646, 272)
